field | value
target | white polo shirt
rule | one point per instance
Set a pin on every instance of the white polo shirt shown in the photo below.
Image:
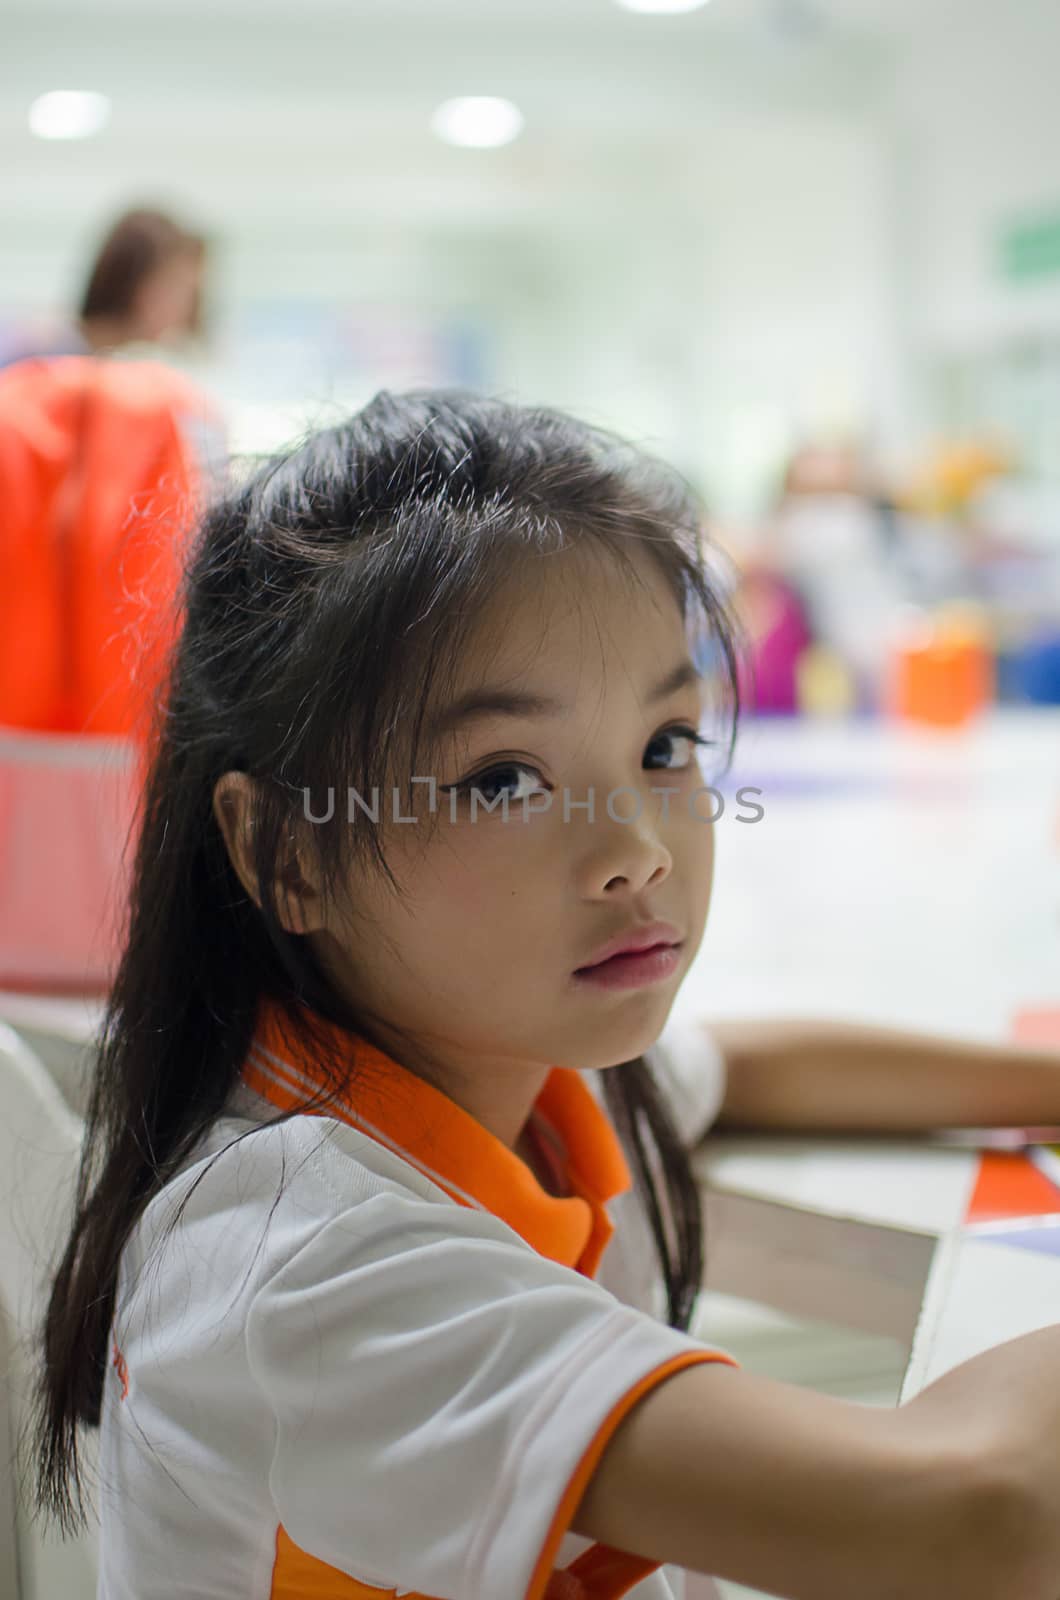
(374, 1357)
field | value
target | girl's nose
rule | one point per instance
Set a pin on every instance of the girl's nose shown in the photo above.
(630, 856)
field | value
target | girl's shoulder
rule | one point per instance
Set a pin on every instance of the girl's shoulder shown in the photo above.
(249, 1146)
(260, 1187)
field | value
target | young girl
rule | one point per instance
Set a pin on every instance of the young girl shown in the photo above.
(356, 1288)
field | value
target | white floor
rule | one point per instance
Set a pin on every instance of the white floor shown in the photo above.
(898, 875)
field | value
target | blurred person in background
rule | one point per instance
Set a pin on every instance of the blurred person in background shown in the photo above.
(823, 573)
(835, 545)
(100, 461)
(145, 286)
(104, 457)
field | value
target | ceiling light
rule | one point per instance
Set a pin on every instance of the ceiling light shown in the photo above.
(478, 120)
(660, 6)
(69, 114)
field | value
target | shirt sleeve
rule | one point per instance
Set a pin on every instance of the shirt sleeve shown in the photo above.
(441, 1394)
(690, 1069)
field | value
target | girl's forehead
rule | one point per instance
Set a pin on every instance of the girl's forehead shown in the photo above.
(559, 640)
(562, 636)
(581, 599)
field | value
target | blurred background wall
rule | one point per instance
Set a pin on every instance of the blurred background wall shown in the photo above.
(719, 229)
(731, 233)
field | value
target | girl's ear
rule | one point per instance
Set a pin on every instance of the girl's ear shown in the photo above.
(298, 900)
(233, 800)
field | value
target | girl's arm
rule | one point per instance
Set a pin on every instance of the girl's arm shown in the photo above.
(813, 1498)
(833, 1076)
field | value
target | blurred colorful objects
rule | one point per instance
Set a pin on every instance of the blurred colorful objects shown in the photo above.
(1038, 668)
(778, 633)
(824, 683)
(952, 476)
(942, 668)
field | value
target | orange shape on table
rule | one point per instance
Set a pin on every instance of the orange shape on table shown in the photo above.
(1008, 1185)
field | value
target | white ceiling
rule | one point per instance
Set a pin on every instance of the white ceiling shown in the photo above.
(247, 108)
(887, 17)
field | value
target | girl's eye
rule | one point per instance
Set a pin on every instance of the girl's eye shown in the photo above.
(490, 784)
(681, 735)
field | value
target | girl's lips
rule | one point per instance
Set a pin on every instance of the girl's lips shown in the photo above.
(641, 936)
(635, 970)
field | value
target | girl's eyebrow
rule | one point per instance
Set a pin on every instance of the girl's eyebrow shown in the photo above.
(520, 703)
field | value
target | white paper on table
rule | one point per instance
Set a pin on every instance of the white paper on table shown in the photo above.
(981, 1293)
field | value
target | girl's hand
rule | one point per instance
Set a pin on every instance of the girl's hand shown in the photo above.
(813, 1498)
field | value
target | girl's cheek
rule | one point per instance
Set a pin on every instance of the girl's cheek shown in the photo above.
(464, 888)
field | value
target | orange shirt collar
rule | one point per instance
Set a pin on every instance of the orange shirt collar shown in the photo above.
(436, 1136)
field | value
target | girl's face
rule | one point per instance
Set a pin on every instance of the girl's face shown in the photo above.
(166, 301)
(478, 959)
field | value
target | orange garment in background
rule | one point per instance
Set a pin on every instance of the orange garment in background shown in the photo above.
(101, 466)
(99, 478)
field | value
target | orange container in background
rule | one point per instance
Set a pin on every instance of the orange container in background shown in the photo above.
(942, 669)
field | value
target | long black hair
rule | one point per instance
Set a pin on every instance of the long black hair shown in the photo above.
(328, 594)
